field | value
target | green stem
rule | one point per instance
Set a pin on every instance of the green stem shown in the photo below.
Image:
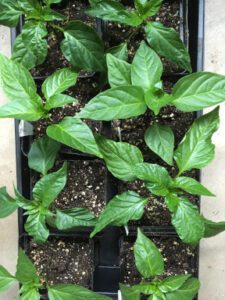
(57, 27)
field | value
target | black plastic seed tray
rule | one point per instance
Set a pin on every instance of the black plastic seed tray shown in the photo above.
(107, 245)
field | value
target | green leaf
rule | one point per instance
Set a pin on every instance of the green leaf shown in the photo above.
(172, 284)
(114, 11)
(160, 139)
(213, 228)
(49, 2)
(59, 82)
(148, 259)
(59, 101)
(156, 101)
(172, 200)
(188, 222)
(166, 42)
(6, 279)
(7, 204)
(129, 292)
(116, 103)
(119, 71)
(82, 47)
(17, 83)
(120, 51)
(48, 187)
(186, 292)
(27, 111)
(76, 134)
(30, 48)
(42, 154)
(120, 158)
(148, 8)
(198, 91)
(30, 293)
(76, 217)
(35, 226)
(156, 178)
(47, 14)
(146, 288)
(31, 7)
(146, 68)
(25, 269)
(71, 291)
(10, 13)
(120, 210)
(196, 149)
(191, 186)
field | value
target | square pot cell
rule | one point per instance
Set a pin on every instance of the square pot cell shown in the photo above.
(85, 188)
(178, 258)
(116, 33)
(84, 90)
(156, 212)
(63, 260)
(73, 10)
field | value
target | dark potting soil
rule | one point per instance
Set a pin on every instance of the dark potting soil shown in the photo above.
(83, 91)
(74, 10)
(178, 258)
(116, 33)
(63, 260)
(85, 188)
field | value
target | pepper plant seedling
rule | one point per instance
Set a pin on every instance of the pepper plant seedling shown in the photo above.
(38, 210)
(19, 87)
(150, 264)
(165, 41)
(81, 45)
(27, 276)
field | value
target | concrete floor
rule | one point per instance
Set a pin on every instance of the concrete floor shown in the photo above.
(212, 251)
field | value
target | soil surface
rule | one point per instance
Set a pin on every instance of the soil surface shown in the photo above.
(84, 90)
(116, 33)
(73, 10)
(178, 258)
(85, 188)
(63, 260)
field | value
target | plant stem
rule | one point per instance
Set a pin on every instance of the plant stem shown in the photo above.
(57, 27)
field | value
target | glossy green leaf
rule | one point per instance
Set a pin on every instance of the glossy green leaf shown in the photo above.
(31, 7)
(120, 210)
(198, 90)
(160, 139)
(112, 10)
(59, 100)
(166, 42)
(76, 217)
(156, 101)
(146, 68)
(10, 13)
(59, 82)
(48, 14)
(49, 186)
(148, 259)
(146, 288)
(191, 186)
(129, 293)
(188, 222)
(186, 292)
(7, 204)
(36, 227)
(75, 134)
(148, 8)
(71, 291)
(29, 293)
(49, 2)
(25, 269)
(119, 71)
(6, 279)
(196, 149)
(173, 283)
(116, 103)
(23, 202)
(17, 83)
(120, 158)
(172, 200)
(120, 51)
(213, 228)
(42, 154)
(156, 178)
(30, 48)
(82, 47)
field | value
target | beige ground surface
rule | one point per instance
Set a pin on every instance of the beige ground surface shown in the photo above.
(212, 255)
